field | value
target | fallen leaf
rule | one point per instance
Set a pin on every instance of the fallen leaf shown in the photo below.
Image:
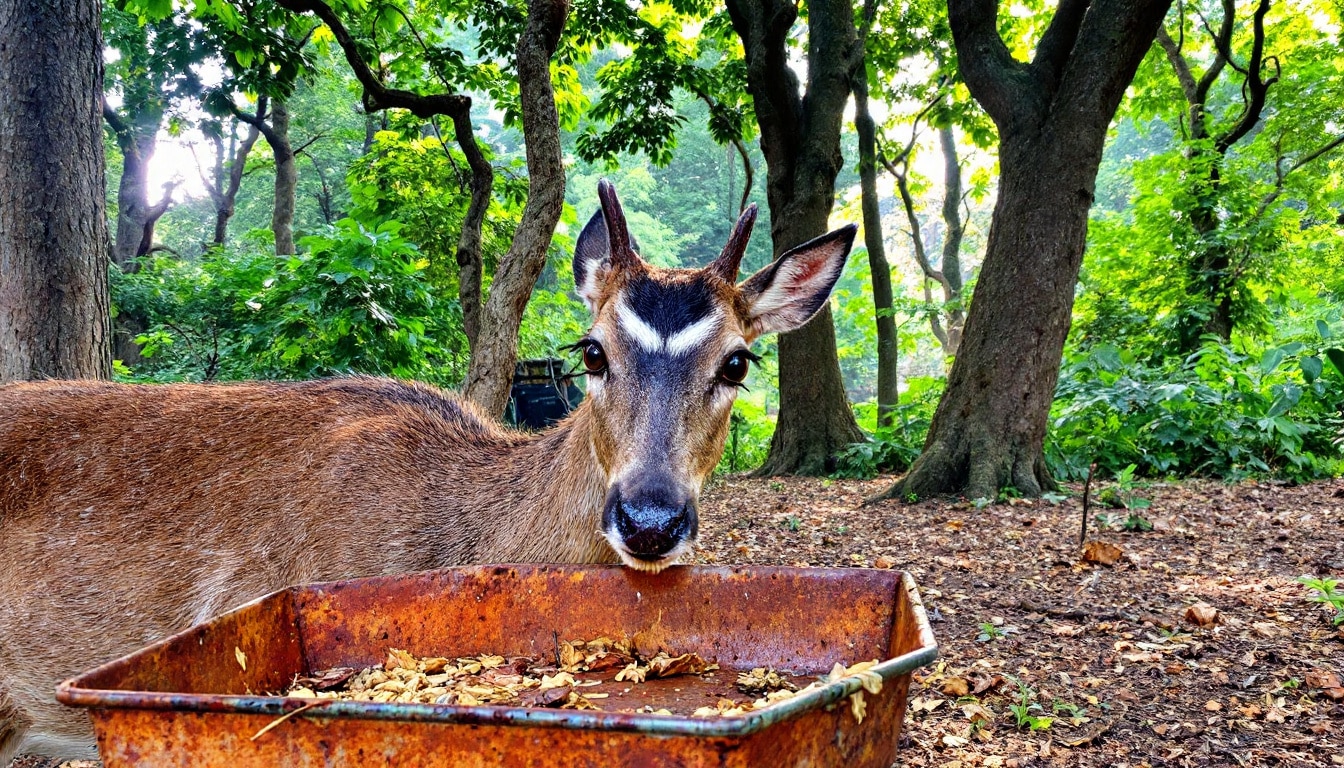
(685, 664)
(956, 686)
(241, 657)
(1202, 615)
(1322, 678)
(399, 659)
(546, 697)
(1213, 706)
(977, 713)
(955, 741)
(1102, 552)
(1334, 694)
(326, 679)
(884, 562)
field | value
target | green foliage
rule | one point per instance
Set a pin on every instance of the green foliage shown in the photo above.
(357, 301)
(749, 432)
(1326, 594)
(1217, 413)
(892, 449)
(1024, 708)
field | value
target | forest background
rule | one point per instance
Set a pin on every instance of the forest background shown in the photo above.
(299, 188)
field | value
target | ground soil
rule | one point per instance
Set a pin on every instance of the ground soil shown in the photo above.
(1115, 654)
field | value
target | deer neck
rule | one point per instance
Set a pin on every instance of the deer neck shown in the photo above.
(555, 502)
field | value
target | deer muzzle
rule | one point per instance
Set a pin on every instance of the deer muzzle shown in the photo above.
(650, 519)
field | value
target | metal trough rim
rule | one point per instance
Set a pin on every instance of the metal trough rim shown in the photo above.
(70, 692)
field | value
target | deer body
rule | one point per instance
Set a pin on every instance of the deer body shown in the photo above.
(193, 499)
(129, 512)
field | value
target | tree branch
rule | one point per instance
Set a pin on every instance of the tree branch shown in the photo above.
(1004, 86)
(377, 96)
(1281, 175)
(1222, 42)
(1052, 52)
(1254, 89)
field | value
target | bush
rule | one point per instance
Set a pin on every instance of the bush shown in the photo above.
(356, 301)
(1217, 413)
(894, 448)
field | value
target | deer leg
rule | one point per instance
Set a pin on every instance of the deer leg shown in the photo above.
(13, 725)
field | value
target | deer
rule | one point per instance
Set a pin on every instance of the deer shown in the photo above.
(132, 511)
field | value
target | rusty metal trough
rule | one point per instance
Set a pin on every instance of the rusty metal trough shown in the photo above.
(195, 699)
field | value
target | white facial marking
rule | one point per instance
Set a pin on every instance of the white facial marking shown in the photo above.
(640, 331)
(694, 334)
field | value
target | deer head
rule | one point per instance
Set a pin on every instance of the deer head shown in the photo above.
(666, 353)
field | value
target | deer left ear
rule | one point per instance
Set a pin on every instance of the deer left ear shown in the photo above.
(786, 294)
(605, 244)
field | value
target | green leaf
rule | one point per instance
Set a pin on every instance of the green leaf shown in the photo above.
(1336, 358)
(1323, 328)
(1285, 400)
(1311, 368)
(1271, 359)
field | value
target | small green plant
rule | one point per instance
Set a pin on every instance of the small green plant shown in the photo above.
(1054, 498)
(793, 523)
(1059, 706)
(1007, 493)
(911, 497)
(1326, 594)
(982, 502)
(988, 632)
(1135, 523)
(775, 485)
(1023, 709)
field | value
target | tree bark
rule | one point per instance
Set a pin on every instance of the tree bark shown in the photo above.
(470, 262)
(887, 393)
(54, 303)
(1052, 114)
(286, 179)
(136, 135)
(800, 138)
(490, 373)
(495, 351)
(229, 169)
(956, 232)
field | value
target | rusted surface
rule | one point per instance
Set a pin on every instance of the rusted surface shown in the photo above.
(188, 701)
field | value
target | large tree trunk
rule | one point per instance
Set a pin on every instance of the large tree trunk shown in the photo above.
(53, 234)
(887, 392)
(1052, 115)
(286, 179)
(800, 137)
(490, 374)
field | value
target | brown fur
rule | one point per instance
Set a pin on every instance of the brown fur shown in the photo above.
(129, 512)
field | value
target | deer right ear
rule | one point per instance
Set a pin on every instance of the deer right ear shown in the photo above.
(604, 245)
(786, 294)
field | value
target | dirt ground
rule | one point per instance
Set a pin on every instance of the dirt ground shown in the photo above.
(1196, 647)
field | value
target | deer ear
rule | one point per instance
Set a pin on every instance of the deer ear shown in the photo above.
(786, 294)
(593, 252)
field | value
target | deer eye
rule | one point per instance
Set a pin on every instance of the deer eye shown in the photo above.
(734, 369)
(594, 359)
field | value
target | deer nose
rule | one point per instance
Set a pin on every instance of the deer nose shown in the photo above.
(651, 519)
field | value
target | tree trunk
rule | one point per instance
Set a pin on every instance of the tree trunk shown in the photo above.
(887, 393)
(137, 137)
(469, 258)
(800, 138)
(54, 304)
(1052, 114)
(286, 179)
(225, 192)
(490, 373)
(956, 232)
